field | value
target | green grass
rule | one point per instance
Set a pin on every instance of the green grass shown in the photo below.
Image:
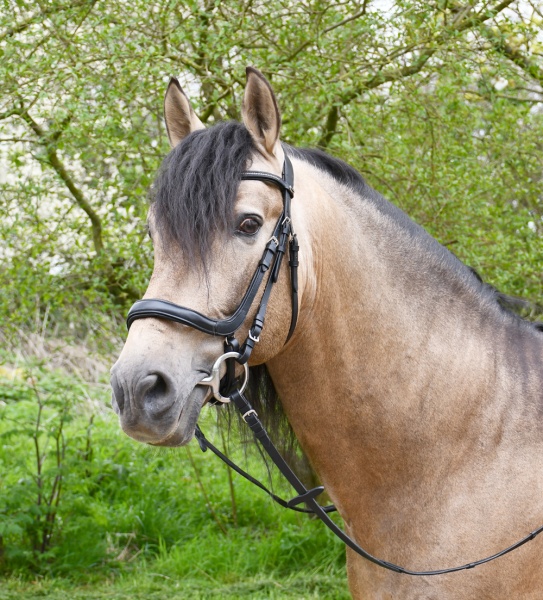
(152, 586)
(129, 521)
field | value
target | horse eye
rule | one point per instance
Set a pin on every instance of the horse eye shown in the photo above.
(249, 226)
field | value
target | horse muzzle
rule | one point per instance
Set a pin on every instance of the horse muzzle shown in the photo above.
(156, 409)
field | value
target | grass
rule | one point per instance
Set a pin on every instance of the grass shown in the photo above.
(151, 586)
(86, 512)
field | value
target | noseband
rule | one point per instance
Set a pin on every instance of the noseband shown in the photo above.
(225, 390)
(272, 258)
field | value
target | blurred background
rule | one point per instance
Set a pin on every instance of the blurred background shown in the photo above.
(438, 104)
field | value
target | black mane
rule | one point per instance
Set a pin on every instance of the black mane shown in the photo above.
(348, 176)
(343, 173)
(194, 197)
(195, 190)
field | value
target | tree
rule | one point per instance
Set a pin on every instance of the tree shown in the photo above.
(437, 103)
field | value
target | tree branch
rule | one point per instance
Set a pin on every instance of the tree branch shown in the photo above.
(53, 8)
(499, 43)
(303, 46)
(10, 113)
(330, 127)
(463, 21)
(56, 163)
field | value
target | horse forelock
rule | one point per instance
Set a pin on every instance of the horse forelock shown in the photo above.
(195, 190)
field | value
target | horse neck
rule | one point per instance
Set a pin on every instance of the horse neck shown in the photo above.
(399, 353)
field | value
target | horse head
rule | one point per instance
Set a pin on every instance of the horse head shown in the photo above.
(209, 226)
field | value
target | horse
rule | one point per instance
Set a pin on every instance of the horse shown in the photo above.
(417, 398)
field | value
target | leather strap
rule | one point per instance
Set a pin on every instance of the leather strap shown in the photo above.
(250, 416)
(162, 309)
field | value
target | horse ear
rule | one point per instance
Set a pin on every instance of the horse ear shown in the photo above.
(260, 112)
(178, 114)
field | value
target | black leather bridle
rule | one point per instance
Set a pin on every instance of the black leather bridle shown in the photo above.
(224, 389)
(272, 258)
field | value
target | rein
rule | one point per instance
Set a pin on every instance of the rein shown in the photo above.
(308, 496)
(224, 390)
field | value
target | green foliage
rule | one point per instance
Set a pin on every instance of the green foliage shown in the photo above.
(80, 499)
(40, 449)
(438, 104)
(154, 586)
(458, 169)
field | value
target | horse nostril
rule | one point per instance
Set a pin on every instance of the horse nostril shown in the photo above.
(154, 394)
(117, 395)
(157, 389)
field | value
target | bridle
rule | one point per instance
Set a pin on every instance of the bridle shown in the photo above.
(271, 261)
(225, 389)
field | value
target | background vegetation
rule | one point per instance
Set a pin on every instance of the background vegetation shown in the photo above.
(438, 103)
(81, 505)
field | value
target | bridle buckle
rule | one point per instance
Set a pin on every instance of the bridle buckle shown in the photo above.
(254, 338)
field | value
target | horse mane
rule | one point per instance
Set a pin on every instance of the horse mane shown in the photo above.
(195, 190)
(193, 200)
(511, 307)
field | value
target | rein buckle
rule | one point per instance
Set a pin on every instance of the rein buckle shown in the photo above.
(249, 412)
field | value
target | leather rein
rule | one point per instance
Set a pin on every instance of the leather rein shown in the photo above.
(225, 389)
